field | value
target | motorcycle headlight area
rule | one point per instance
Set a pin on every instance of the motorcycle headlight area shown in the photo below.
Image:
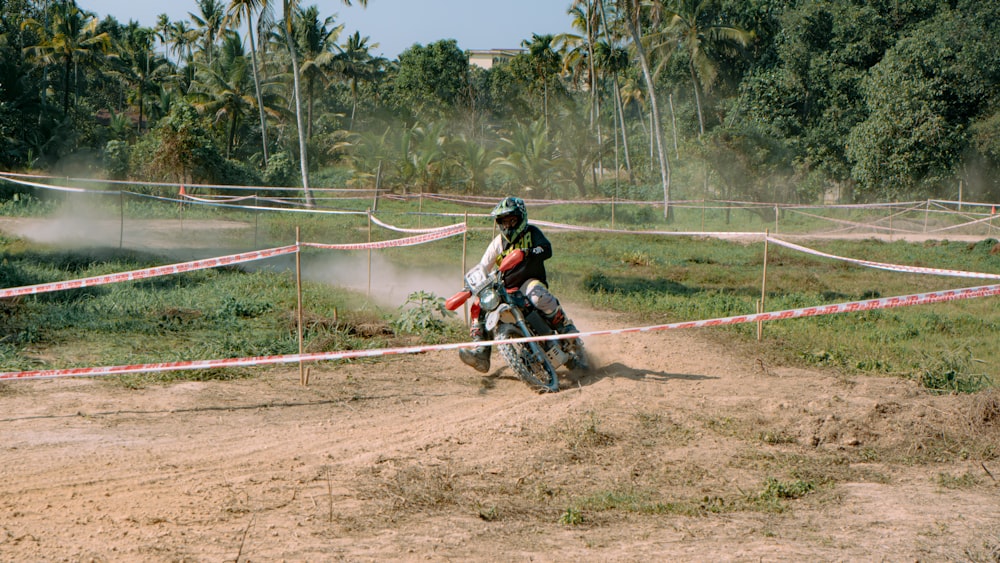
(489, 300)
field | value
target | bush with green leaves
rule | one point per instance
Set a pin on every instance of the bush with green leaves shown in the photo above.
(423, 312)
(951, 372)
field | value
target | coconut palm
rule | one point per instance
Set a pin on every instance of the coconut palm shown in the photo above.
(579, 152)
(162, 32)
(211, 22)
(182, 39)
(240, 10)
(475, 158)
(692, 26)
(141, 65)
(529, 155)
(585, 19)
(545, 62)
(630, 14)
(578, 55)
(355, 63)
(615, 60)
(317, 43)
(70, 38)
(287, 10)
(223, 88)
(429, 155)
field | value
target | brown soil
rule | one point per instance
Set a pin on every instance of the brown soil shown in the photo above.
(677, 447)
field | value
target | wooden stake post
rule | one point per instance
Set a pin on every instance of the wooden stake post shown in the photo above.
(465, 245)
(303, 375)
(763, 291)
(369, 294)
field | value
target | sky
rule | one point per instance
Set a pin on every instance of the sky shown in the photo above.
(395, 25)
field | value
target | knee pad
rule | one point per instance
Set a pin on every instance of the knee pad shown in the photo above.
(540, 297)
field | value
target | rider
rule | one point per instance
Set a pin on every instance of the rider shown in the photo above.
(516, 234)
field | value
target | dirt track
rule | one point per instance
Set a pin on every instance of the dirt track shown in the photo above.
(418, 458)
(653, 457)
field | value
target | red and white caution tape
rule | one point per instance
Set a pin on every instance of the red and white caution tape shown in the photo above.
(251, 207)
(218, 198)
(960, 225)
(854, 306)
(220, 261)
(438, 234)
(148, 272)
(51, 187)
(714, 234)
(385, 225)
(884, 266)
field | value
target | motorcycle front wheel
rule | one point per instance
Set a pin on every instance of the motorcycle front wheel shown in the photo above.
(522, 360)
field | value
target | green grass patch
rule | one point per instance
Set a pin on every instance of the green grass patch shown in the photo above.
(773, 496)
(207, 314)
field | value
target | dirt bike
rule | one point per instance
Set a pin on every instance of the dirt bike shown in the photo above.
(510, 315)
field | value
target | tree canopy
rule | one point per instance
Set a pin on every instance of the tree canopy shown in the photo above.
(767, 100)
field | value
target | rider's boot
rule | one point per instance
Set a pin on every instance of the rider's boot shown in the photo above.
(479, 357)
(560, 322)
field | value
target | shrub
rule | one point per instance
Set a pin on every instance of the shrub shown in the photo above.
(281, 171)
(951, 372)
(422, 314)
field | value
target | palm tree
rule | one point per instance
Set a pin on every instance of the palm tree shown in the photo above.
(368, 151)
(70, 39)
(141, 65)
(545, 62)
(162, 31)
(355, 63)
(689, 25)
(630, 10)
(579, 53)
(211, 21)
(317, 42)
(182, 39)
(287, 9)
(529, 155)
(476, 159)
(238, 10)
(585, 19)
(223, 88)
(429, 155)
(614, 61)
(578, 150)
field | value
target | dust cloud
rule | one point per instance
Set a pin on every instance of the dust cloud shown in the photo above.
(390, 283)
(77, 222)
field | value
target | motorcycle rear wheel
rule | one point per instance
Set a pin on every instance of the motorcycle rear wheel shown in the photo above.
(521, 359)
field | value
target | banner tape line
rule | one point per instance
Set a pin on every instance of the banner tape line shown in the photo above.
(884, 266)
(853, 306)
(148, 272)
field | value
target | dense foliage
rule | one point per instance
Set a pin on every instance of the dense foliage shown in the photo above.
(766, 100)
